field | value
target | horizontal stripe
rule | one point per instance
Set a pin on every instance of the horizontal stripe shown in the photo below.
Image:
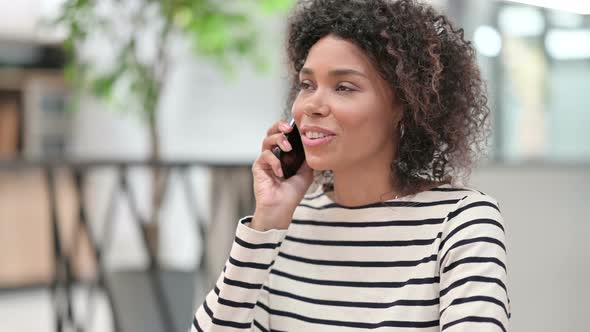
(259, 326)
(231, 303)
(362, 224)
(322, 193)
(314, 196)
(360, 284)
(399, 243)
(352, 253)
(483, 221)
(196, 325)
(249, 245)
(450, 189)
(252, 265)
(474, 260)
(477, 299)
(470, 206)
(408, 303)
(241, 284)
(324, 262)
(361, 325)
(222, 322)
(481, 239)
(463, 281)
(382, 204)
(263, 329)
(475, 319)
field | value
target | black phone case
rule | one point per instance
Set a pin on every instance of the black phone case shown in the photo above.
(291, 160)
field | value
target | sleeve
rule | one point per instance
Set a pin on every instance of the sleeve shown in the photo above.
(473, 268)
(234, 304)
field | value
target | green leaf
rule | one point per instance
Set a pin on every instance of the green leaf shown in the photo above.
(244, 45)
(217, 33)
(212, 35)
(103, 85)
(261, 64)
(71, 72)
(183, 17)
(236, 19)
(73, 101)
(273, 6)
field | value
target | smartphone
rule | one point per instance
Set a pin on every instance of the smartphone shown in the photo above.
(291, 160)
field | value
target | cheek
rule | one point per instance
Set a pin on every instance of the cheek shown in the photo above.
(353, 119)
(296, 110)
(363, 124)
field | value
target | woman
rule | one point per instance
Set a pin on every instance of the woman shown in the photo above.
(392, 112)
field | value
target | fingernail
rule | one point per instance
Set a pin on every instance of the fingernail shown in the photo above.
(287, 144)
(285, 127)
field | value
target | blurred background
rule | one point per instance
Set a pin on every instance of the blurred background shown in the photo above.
(128, 129)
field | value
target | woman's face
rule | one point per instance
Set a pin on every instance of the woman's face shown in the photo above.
(342, 92)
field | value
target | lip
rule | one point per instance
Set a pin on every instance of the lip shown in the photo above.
(316, 142)
(305, 128)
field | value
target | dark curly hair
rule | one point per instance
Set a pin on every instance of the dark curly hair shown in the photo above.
(431, 69)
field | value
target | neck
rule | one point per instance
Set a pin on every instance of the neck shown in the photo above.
(357, 186)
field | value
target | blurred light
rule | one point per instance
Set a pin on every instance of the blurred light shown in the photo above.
(574, 6)
(487, 41)
(521, 21)
(27, 20)
(565, 19)
(568, 44)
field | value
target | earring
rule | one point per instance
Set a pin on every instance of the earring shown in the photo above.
(401, 130)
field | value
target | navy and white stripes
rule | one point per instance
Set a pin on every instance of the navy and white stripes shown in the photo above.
(435, 261)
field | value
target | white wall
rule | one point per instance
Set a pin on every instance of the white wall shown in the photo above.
(546, 211)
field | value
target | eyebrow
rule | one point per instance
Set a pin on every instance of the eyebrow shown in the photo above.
(335, 72)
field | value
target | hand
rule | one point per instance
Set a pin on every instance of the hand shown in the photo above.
(277, 198)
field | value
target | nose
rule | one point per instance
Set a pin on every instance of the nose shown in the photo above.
(313, 103)
(316, 106)
(316, 110)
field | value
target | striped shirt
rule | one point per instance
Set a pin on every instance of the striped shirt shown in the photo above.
(433, 261)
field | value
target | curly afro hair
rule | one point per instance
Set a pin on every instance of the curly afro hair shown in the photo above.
(430, 67)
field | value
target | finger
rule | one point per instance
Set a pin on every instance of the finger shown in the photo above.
(280, 126)
(285, 127)
(271, 141)
(268, 158)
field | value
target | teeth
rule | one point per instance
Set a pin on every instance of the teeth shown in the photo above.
(312, 134)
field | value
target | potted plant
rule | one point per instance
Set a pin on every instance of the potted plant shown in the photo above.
(222, 32)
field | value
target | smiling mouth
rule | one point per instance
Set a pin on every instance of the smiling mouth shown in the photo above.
(311, 135)
(311, 142)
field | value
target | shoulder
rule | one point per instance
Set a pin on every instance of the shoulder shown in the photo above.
(463, 202)
(475, 200)
(476, 214)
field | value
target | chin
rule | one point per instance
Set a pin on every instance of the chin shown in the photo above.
(319, 164)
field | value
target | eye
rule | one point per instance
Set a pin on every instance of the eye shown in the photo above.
(304, 85)
(344, 88)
